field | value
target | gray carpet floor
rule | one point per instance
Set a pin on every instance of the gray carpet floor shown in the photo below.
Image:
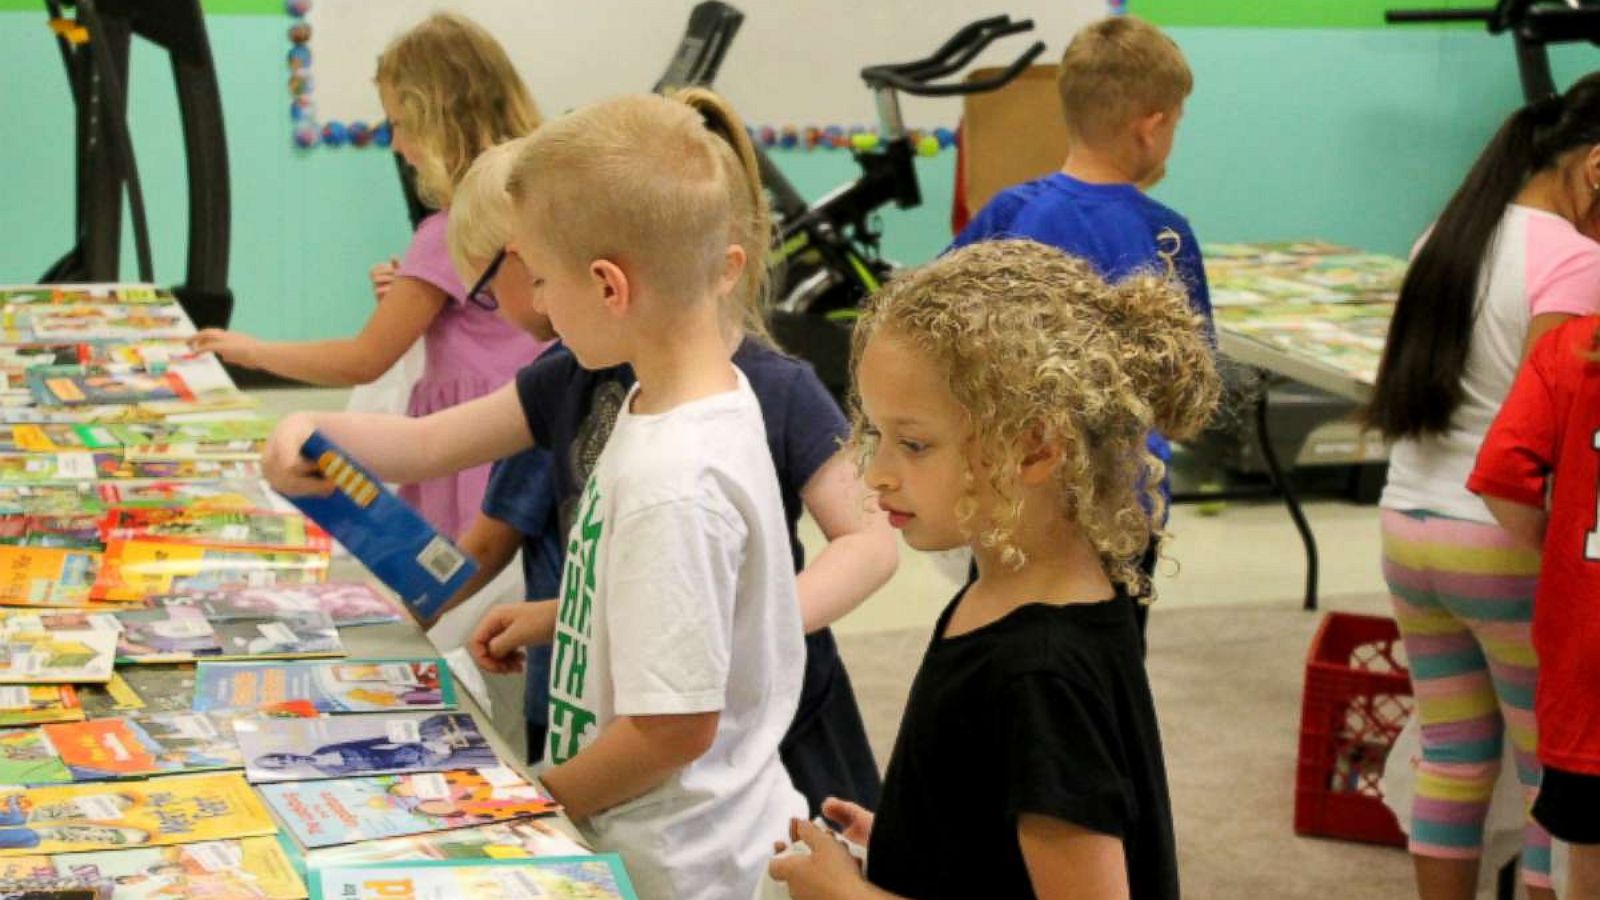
(1227, 683)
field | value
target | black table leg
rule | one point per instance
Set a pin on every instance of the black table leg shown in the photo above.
(1281, 482)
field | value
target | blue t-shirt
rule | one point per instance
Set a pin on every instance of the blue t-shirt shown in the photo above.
(522, 494)
(1116, 228)
(570, 411)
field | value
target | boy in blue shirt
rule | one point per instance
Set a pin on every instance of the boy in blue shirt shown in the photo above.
(1123, 84)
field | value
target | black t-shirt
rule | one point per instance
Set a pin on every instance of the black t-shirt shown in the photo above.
(1045, 711)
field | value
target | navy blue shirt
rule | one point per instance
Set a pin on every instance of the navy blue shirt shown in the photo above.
(522, 494)
(1116, 228)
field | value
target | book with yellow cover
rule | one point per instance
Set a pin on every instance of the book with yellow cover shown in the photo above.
(38, 704)
(56, 657)
(134, 570)
(254, 868)
(46, 576)
(181, 809)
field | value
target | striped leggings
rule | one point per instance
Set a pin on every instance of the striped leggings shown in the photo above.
(1463, 597)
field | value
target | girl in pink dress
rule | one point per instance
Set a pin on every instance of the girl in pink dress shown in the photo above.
(449, 93)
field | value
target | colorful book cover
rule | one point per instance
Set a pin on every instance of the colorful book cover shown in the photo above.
(24, 619)
(259, 528)
(278, 636)
(181, 809)
(61, 657)
(165, 635)
(152, 744)
(362, 745)
(134, 570)
(599, 877)
(519, 839)
(142, 688)
(71, 532)
(347, 603)
(59, 437)
(28, 757)
(379, 685)
(46, 576)
(36, 704)
(105, 322)
(341, 811)
(210, 495)
(113, 466)
(41, 468)
(254, 868)
(73, 386)
(378, 528)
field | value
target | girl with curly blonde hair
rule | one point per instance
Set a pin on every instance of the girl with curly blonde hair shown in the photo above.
(450, 93)
(1004, 395)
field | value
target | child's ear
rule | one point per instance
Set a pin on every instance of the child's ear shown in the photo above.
(733, 263)
(611, 283)
(1146, 127)
(1040, 459)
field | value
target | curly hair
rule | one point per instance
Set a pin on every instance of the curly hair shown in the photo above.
(458, 95)
(1036, 346)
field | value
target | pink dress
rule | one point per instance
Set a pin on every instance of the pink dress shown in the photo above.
(470, 352)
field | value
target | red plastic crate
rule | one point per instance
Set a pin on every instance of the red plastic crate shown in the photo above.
(1357, 698)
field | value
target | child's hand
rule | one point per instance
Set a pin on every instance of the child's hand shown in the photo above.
(290, 473)
(233, 347)
(497, 642)
(854, 820)
(382, 276)
(822, 869)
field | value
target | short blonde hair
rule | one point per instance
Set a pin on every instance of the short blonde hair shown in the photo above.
(1116, 70)
(481, 213)
(1035, 346)
(458, 95)
(662, 185)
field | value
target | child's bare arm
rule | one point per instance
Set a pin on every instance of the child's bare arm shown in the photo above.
(401, 449)
(496, 643)
(408, 307)
(491, 543)
(861, 553)
(1070, 862)
(631, 756)
(1526, 524)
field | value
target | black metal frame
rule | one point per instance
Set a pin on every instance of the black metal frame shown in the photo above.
(97, 71)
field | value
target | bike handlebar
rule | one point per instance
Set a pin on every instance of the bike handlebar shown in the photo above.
(914, 77)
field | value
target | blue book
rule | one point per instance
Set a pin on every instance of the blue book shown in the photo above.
(389, 537)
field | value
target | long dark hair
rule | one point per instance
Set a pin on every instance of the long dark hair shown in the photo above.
(1419, 380)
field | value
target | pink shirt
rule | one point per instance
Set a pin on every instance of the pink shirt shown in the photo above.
(1538, 263)
(470, 352)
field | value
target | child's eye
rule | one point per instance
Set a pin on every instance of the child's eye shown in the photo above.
(913, 447)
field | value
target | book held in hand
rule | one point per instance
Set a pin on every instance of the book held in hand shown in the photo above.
(378, 528)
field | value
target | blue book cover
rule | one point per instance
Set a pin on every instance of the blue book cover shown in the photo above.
(389, 537)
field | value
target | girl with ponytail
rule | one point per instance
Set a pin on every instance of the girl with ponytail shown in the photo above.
(1511, 257)
(684, 446)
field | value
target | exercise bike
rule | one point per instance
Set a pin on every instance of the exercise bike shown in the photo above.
(1533, 25)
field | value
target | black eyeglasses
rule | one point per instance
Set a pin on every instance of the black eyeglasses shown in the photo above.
(481, 296)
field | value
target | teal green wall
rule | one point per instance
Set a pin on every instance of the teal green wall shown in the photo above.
(1353, 134)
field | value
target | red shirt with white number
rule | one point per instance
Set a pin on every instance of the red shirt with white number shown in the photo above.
(1550, 426)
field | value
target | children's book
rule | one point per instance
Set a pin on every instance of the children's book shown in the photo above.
(140, 688)
(44, 468)
(519, 839)
(158, 812)
(50, 499)
(379, 685)
(247, 494)
(25, 619)
(28, 757)
(111, 466)
(181, 633)
(599, 877)
(347, 603)
(253, 868)
(14, 295)
(103, 322)
(165, 635)
(378, 528)
(134, 570)
(61, 657)
(362, 745)
(258, 528)
(46, 576)
(152, 744)
(36, 704)
(341, 811)
(97, 386)
(70, 532)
